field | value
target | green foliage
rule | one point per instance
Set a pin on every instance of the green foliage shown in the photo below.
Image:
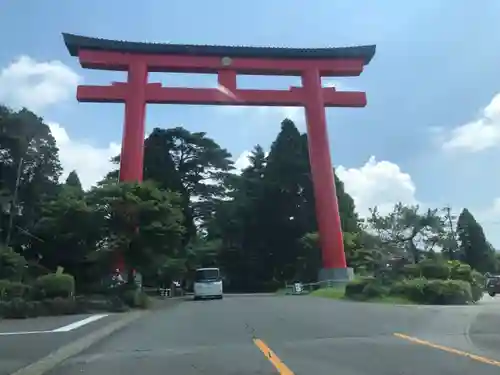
(20, 308)
(356, 287)
(411, 271)
(475, 249)
(259, 225)
(29, 170)
(448, 292)
(13, 289)
(74, 184)
(435, 270)
(406, 231)
(374, 290)
(268, 227)
(136, 298)
(12, 265)
(438, 292)
(67, 232)
(139, 220)
(413, 289)
(55, 285)
(190, 164)
(17, 308)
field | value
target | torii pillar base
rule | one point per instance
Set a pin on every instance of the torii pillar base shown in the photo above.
(335, 276)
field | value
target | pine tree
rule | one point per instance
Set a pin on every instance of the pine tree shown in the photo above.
(73, 181)
(474, 248)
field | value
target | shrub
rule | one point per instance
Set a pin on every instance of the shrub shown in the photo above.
(136, 298)
(55, 285)
(477, 284)
(60, 306)
(448, 292)
(412, 289)
(17, 308)
(441, 292)
(431, 269)
(411, 271)
(13, 289)
(12, 264)
(374, 290)
(143, 302)
(460, 271)
(98, 303)
(116, 304)
(130, 297)
(355, 288)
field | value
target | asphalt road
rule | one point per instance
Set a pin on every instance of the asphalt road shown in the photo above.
(302, 335)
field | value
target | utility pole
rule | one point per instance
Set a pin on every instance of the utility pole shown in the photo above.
(13, 206)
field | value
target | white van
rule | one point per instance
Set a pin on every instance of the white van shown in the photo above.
(208, 283)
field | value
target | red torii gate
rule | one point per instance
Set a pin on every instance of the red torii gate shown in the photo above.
(310, 64)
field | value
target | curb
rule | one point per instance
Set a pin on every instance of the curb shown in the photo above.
(55, 358)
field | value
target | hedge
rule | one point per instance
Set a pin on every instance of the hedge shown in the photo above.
(136, 298)
(55, 285)
(437, 292)
(355, 288)
(13, 289)
(419, 290)
(431, 269)
(19, 308)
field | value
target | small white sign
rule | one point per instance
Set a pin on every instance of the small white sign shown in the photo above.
(298, 287)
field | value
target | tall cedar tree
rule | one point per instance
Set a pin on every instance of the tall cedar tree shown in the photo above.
(474, 248)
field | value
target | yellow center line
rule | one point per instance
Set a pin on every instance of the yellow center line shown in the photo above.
(273, 358)
(475, 357)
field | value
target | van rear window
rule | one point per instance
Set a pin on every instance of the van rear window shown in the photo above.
(207, 275)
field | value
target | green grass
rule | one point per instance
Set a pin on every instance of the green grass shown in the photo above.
(339, 294)
(333, 293)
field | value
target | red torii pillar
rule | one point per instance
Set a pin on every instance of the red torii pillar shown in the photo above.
(136, 92)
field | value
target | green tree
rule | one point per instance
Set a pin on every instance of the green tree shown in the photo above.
(474, 248)
(405, 231)
(237, 223)
(188, 163)
(140, 221)
(268, 226)
(67, 232)
(73, 182)
(284, 182)
(29, 168)
(12, 265)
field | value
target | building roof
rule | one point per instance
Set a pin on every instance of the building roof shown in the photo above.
(76, 42)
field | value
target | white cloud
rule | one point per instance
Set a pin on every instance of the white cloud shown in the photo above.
(377, 183)
(36, 85)
(478, 135)
(242, 161)
(90, 162)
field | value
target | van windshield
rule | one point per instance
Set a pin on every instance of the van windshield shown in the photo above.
(207, 275)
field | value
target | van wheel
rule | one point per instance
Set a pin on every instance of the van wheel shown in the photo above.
(196, 298)
(492, 294)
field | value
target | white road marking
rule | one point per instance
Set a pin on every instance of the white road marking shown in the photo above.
(66, 328)
(80, 323)
(22, 333)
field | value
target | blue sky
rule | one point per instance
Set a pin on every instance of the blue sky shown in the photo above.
(436, 69)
